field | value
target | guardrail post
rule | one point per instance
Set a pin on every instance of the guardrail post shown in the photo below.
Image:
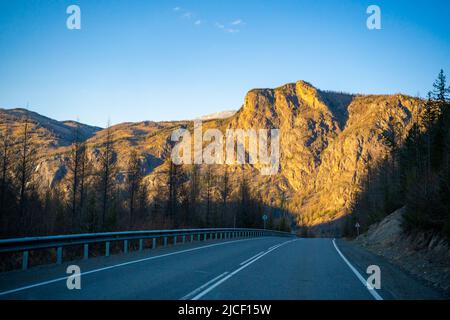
(215, 235)
(141, 244)
(86, 251)
(165, 241)
(154, 243)
(192, 237)
(25, 260)
(184, 238)
(107, 249)
(125, 246)
(59, 255)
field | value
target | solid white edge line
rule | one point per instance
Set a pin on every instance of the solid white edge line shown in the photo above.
(256, 255)
(119, 265)
(218, 283)
(194, 292)
(372, 291)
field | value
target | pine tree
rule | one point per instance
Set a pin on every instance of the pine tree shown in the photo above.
(441, 92)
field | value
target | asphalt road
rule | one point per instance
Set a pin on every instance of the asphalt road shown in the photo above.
(259, 268)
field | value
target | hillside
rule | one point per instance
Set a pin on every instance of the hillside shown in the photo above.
(327, 142)
(47, 132)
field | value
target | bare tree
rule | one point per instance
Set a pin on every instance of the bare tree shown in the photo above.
(134, 180)
(209, 185)
(5, 163)
(195, 189)
(25, 166)
(84, 173)
(173, 182)
(77, 169)
(106, 173)
(224, 192)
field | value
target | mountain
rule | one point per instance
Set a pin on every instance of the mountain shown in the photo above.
(328, 140)
(47, 132)
(218, 115)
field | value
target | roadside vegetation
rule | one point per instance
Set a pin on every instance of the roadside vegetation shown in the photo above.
(415, 174)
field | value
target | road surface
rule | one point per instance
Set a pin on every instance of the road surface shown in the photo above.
(258, 268)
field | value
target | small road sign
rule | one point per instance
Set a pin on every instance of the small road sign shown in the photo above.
(357, 226)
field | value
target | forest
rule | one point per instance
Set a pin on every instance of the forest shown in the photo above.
(95, 195)
(415, 174)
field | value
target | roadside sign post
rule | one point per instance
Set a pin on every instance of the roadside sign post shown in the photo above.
(357, 226)
(265, 217)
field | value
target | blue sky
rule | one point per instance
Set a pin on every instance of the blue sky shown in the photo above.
(162, 59)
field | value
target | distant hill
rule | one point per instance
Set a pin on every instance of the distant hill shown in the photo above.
(48, 132)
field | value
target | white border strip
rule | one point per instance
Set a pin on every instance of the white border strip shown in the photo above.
(194, 292)
(360, 277)
(218, 283)
(249, 259)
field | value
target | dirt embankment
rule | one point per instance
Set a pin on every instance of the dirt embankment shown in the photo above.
(425, 255)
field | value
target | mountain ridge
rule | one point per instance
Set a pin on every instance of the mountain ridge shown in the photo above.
(327, 141)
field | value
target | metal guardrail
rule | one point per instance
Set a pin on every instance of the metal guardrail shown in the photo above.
(25, 245)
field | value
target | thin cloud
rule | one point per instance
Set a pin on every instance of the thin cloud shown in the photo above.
(231, 27)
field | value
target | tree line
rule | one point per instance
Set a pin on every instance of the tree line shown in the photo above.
(95, 194)
(416, 172)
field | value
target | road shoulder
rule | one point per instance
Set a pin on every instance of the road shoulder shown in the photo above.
(396, 284)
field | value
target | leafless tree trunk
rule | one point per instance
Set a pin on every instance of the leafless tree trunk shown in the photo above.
(209, 177)
(76, 167)
(134, 180)
(25, 166)
(195, 190)
(224, 192)
(107, 172)
(5, 138)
